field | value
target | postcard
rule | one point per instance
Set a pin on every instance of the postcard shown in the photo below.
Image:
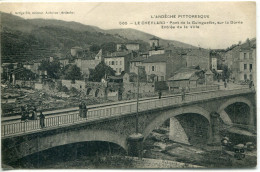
(128, 85)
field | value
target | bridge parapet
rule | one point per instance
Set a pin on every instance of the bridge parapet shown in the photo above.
(107, 112)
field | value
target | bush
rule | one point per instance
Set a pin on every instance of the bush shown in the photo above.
(64, 89)
(74, 90)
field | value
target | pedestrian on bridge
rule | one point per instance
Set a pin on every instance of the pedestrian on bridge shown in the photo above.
(26, 113)
(80, 109)
(42, 118)
(225, 84)
(34, 114)
(84, 110)
(251, 84)
(160, 94)
(23, 113)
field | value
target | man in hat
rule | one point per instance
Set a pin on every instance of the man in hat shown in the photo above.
(84, 110)
(42, 118)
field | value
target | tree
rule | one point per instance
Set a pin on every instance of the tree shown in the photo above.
(123, 47)
(74, 90)
(226, 72)
(25, 74)
(142, 74)
(109, 47)
(94, 48)
(52, 68)
(64, 89)
(6, 71)
(100, 71)
(72, 72)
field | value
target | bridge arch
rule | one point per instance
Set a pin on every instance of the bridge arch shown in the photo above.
(70, 137)
(158, 121)
(88, 91)
(97, 92)
(225, 117)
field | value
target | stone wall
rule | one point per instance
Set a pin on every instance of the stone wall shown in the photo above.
(79, 85)
(145, 89)
(25, 83)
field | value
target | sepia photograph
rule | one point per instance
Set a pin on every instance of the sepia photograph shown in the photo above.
(128, 85)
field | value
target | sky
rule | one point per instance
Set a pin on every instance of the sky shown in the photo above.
(114, 15)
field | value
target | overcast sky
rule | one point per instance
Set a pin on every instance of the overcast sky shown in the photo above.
(108, 16)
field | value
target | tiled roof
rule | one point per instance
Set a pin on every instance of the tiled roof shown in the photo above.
(115, 77)
(117, 54)
(138, 59)
(184, 74)
(208, 72)
(157, 58)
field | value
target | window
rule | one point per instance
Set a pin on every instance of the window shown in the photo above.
(113, 62)
(251, 77)
(162, 78)
(250, 55)
(120, 70)
(116, 62)
(250, 67)
(245, 67)
(245, 77)
(120, 62)
(244, 55)
(109, 62)
(152, 68)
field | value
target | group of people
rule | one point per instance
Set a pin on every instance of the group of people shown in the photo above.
(83, 110)
(251, 84)
(25, 115)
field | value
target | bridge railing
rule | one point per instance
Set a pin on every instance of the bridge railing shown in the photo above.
(115, 110)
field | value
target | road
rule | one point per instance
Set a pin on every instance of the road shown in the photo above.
(17, 118)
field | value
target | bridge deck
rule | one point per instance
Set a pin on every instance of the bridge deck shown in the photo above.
(102, 112)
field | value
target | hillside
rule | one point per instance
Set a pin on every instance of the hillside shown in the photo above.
(133, 34)
(29, 39)
(70, 25)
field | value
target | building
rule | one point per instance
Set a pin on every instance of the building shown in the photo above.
(246, 64)
(128, 46)
(156, 51)
(154, 43)
(119, 61)
(155, 47)
(214, 63)
(64, 61)
(135, 63)
(186, 78)
(162, 66)
(85, 65)
(76, 51)
(198, 57)
(32, 66)
(241, 59)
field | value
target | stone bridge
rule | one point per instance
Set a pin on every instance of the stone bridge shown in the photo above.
(116, 123)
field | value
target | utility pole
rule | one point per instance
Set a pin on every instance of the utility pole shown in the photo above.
(135, 141)
(137, 102)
